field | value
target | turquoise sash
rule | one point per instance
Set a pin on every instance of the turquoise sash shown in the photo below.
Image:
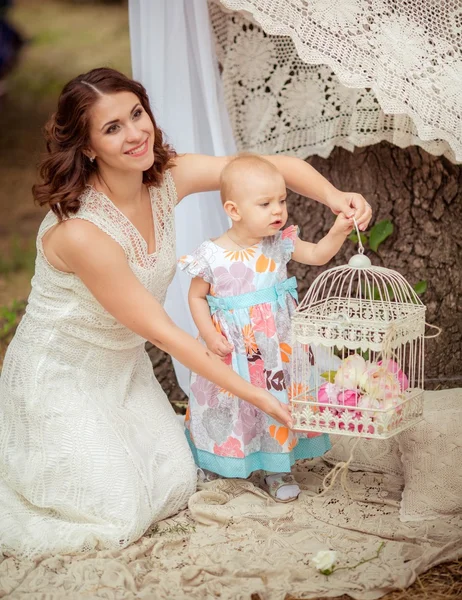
(275, 293)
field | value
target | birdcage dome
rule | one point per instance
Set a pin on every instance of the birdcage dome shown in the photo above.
(359, 306)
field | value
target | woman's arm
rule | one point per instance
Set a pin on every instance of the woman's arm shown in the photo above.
(101, 264)
(200, 312)
(195, 173)
(302, 178)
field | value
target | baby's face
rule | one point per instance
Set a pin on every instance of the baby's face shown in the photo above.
(261, 201)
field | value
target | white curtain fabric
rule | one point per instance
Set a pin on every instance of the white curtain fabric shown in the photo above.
(173, 56)
(355, 72)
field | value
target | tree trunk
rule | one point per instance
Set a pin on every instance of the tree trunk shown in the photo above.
(420, 194)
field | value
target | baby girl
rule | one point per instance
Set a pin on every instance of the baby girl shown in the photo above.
(242, 301)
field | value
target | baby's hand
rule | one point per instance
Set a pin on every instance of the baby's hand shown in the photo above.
(342, 225)
(219, 345)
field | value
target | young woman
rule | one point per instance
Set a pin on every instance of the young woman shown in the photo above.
(91, 452)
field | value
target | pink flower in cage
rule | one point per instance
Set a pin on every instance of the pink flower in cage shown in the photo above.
(348, 398)
(350, 372)
(366, 401)
(380, 383)
(394, 368)
(359, 428)
(328, 393)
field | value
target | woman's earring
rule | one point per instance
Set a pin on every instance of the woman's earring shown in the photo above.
(92, 159)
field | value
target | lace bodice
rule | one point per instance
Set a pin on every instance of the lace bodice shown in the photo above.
(62, 299)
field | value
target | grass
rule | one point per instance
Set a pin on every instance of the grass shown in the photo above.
(20, 256)
(66, 39)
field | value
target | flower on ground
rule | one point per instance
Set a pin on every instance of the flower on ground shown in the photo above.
(324, 561)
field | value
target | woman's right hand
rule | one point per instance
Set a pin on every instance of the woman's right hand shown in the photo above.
(276, 410)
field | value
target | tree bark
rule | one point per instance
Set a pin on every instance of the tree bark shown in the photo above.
(421, 195)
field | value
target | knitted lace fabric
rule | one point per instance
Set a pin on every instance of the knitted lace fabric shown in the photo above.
(91, 452)
(304, 76)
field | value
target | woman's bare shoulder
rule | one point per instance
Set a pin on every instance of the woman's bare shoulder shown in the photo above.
(78, 241)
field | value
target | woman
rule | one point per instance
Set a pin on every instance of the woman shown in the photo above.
(90, 450)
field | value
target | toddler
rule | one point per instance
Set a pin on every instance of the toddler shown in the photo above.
(242, 301)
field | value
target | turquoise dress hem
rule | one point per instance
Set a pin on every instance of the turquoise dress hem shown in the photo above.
(241, 468)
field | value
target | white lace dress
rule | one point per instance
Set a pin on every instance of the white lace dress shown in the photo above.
(91, 452)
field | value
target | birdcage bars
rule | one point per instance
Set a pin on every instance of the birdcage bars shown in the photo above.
(373, 314)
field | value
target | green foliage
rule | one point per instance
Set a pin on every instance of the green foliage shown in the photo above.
(9, 318)
(329, 376)
(361, 562)
(181, 528)
(376, 236)
(373, 293)
(354, 238)
(420, 287)
(379, 233)
(21, 257)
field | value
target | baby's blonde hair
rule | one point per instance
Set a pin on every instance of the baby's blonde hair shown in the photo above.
(242, 164)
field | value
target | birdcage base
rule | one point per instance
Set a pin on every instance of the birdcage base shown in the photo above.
(309, 415)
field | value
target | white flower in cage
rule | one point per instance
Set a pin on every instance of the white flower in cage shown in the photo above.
(394, 368)
(380, 383)
(366, 401)
(350, 372)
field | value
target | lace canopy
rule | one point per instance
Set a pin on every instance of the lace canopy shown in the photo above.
(303, 76)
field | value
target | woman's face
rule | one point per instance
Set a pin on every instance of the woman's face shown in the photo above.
(121, 133)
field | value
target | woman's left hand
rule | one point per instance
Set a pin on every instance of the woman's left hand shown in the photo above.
(351, 205)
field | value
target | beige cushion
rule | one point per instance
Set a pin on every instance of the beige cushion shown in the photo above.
(431, 454)
(376, 456)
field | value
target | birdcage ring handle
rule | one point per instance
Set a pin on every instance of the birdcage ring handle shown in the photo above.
(438, 331)
(360, 244)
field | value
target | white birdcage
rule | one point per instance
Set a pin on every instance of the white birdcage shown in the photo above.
(358, 353)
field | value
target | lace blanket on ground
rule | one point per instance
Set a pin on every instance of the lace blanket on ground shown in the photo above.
(326, 74)
(204, 551)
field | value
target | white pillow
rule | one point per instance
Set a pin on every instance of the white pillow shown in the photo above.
(431, 454)
(376, 456)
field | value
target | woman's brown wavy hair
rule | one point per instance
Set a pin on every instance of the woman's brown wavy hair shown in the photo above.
(65, 170)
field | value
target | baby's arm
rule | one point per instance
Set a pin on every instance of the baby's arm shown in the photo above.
(200, 311)
(321, 253)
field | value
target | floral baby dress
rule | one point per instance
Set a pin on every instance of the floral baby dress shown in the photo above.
(251, 302)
